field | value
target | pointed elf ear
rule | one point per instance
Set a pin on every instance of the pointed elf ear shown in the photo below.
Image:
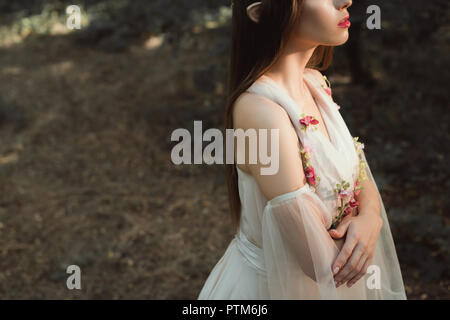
(253, 11)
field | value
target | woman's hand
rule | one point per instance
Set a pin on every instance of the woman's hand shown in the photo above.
(354, 258)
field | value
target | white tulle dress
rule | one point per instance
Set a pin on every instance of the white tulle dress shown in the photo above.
(283, 249)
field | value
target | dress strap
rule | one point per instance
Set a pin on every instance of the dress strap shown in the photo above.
(268, 88)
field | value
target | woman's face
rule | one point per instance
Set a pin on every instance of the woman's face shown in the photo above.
(321, 22)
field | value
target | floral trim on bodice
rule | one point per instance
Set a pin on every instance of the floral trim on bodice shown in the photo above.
(311, 177)
(344, 191)
(308, 122)
(346, 196)
(327, 89)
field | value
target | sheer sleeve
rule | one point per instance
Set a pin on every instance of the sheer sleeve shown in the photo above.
(390, 282)
(298, 251)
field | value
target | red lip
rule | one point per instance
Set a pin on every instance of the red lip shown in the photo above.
(344, 23)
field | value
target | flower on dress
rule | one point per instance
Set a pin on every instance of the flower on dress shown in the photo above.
(347, 202)
(311, 177)
(346, 196)
(359, 147)
(348, 211)
(328, 88)
(307, 121)
(362, 170)
(308, 148)
(357, 187)
(353, 203)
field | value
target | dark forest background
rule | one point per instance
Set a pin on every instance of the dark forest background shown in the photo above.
(85, 124)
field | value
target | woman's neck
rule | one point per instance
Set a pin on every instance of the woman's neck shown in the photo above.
(288, 70)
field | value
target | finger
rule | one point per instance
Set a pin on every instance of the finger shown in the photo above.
(361, 274)
(344, 254)
(349, 268)
(357, 269)
(341, 229)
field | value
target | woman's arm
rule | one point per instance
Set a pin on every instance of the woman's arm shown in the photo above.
(254, 112)
(361, 234)
(368, 199)
(298, 251)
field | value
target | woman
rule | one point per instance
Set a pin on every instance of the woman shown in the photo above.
(314, 228)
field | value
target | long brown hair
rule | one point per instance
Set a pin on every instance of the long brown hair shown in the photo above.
(254, 49)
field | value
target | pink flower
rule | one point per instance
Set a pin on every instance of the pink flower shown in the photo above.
(310, 175)
(308, 148)
(328, 90)
(348, 210)
(343, 194)
(353, 203)
(306, 121)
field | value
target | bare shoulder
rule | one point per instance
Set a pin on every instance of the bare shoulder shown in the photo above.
(257, 112)
(318, 75)
(253, 111)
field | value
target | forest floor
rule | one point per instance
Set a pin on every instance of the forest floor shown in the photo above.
(86, 176)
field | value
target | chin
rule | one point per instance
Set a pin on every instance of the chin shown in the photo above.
(338, 41)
